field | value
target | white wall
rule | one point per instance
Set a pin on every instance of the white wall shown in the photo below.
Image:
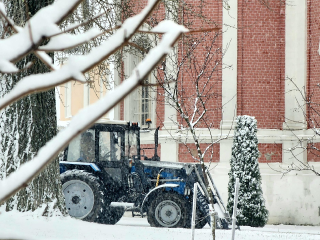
(290, 199)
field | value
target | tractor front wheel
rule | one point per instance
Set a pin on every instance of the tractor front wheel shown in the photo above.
(168, 210)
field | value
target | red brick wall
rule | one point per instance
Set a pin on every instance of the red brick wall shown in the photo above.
(122, 110)
(270, 152)
(150, 152)
(209, 83)
(313, 153)
(313, 72)
(187, 156)
(195, 18)
(261, 53)
(261, 67)
(313, 67)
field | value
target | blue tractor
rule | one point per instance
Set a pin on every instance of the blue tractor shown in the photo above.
(103, 176)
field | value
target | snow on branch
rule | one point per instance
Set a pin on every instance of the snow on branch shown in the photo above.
(66, 41)
(77, 65)
(91, 114)
(42, 24)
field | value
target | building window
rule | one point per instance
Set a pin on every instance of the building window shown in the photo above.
(144, 102)
(140, 104)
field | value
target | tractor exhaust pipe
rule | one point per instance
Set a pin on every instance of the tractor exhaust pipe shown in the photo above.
(156, 141)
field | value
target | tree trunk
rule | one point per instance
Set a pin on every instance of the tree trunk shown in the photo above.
(25, 127)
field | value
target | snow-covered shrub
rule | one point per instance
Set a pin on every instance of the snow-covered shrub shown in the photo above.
(244, 165)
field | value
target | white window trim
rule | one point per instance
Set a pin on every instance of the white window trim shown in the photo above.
(68, 99)
(86, 95)
(130, 101)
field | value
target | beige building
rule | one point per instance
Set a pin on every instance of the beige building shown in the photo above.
(73, 96)
(137, 107)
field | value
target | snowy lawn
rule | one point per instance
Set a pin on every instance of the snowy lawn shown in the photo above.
(15, 225)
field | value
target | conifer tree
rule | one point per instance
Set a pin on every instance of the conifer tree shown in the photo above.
(244, 165)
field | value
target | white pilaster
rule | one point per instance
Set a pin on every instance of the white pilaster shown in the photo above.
(229, 74)
(169, 151)
(170, 114)
(295, 63)
(226, 150)
(116, 83)
(230, 59)
(296, 74)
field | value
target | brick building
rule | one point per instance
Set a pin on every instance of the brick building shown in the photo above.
(263, 47)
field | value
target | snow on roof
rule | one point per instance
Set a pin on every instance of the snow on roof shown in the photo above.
(63, 124)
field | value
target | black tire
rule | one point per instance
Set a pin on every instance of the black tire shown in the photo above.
(86, 198)
(200, 220)
(168, 210)
(203, 206)
(204, 216)
(222, 224)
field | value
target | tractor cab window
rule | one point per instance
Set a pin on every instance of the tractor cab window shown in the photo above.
(110, 146)
(82, 148)
(132, 143)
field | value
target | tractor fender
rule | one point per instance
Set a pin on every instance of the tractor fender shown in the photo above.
(146, 198)
(64, 166)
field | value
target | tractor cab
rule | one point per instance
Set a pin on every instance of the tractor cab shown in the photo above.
(107, 149)
(105, 142)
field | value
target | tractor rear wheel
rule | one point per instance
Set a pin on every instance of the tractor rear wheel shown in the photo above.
(168, 210)
(86, 198)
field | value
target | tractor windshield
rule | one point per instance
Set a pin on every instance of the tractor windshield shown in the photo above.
(82, 148)
(99, 145)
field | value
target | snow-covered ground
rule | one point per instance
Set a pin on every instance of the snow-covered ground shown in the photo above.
(15, 225)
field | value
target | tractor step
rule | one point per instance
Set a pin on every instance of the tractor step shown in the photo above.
(122, 204)
(137, 213)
